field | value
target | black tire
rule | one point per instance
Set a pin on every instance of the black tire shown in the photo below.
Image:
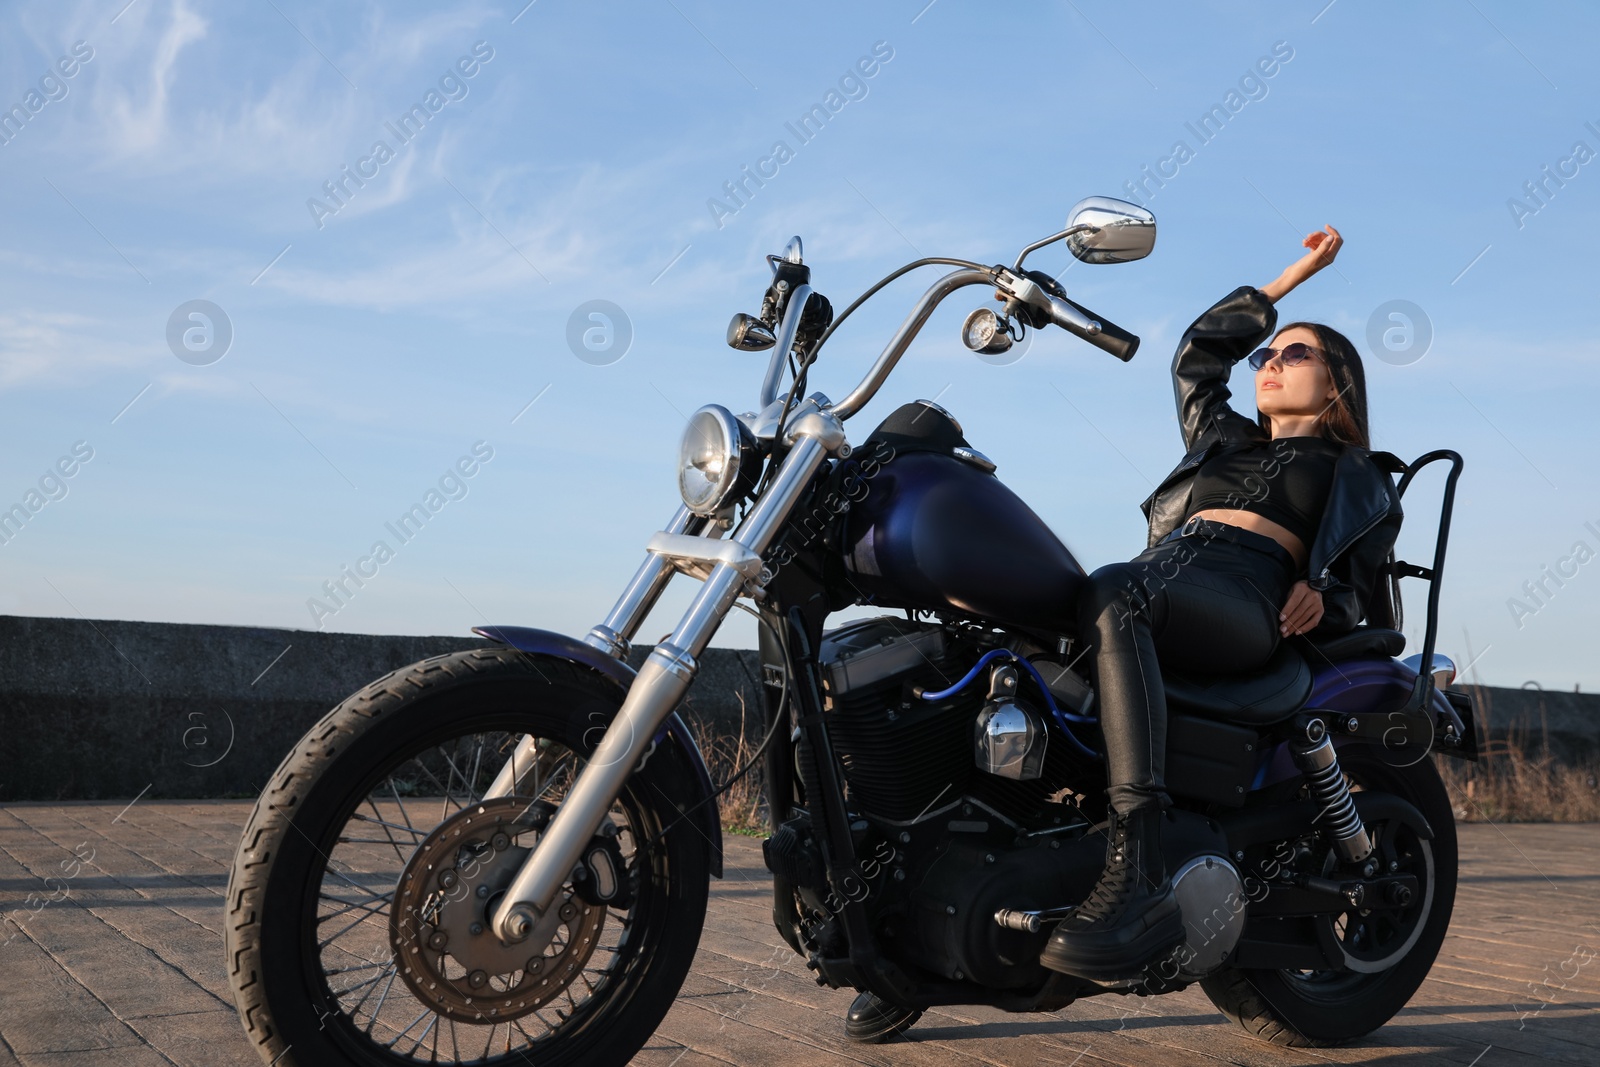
(294, 863)
(1324, 1009)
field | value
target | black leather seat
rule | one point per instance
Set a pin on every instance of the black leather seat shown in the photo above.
(1362, 641)
(1282, 687)
(1260, 698)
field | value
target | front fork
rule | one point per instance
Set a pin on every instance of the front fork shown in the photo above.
(730, 568)
(611, 637)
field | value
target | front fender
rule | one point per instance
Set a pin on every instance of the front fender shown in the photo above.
(704, 814)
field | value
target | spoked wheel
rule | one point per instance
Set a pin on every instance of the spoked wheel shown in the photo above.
(359, 928)
(1389, 947)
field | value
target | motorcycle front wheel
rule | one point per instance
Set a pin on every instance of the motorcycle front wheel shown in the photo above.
(359, 898)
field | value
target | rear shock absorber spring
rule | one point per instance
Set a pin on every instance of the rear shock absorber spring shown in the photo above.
(1315, 757)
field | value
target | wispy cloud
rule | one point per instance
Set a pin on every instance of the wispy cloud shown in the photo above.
(139, 120)
(45, 348)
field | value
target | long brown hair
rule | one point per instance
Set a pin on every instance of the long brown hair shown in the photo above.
(1345, 418)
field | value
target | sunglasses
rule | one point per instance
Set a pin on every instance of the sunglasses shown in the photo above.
(1289, 355)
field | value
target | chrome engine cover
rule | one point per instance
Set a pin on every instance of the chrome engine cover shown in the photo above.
(1010, 740)
(1211, 894)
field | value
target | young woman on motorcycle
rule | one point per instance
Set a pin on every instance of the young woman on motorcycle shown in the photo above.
(1288, 518)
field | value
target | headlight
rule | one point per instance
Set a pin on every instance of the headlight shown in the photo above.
(717, 460)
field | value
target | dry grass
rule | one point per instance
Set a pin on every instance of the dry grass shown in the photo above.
(1517, 780)
(743, 808)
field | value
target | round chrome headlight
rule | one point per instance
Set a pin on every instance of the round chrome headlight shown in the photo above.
(716, 460)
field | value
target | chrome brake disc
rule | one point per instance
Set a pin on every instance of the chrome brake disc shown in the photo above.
(440, 930)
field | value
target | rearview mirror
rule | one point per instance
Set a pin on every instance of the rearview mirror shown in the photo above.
(1121, 232)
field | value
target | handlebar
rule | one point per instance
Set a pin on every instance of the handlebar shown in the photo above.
(787, 329)
(957, 279)
(1074, 318)
(1081, 322)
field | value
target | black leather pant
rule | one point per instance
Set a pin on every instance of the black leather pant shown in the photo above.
(1193, 602)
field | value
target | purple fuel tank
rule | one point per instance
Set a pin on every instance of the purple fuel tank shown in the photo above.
(937, 531)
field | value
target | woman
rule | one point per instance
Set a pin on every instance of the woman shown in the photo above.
(1288, 518)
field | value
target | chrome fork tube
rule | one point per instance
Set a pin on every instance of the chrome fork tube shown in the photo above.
(612, 637)
(614, 634)
(660, 685)
(523, 759)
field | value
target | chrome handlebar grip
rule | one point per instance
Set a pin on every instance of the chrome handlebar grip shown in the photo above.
(1106, 336)
(1070, 318)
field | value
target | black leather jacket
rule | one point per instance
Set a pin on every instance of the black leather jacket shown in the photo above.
(1355, 541)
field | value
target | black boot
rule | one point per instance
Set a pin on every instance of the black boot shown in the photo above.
(1131, 918)
(871, 1020)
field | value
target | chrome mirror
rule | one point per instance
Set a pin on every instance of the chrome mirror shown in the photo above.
(1119, 232)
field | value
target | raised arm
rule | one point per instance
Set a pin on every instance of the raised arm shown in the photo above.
(1224, 334)
(1227, 332)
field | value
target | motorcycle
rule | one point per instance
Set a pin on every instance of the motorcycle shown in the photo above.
(503, 855)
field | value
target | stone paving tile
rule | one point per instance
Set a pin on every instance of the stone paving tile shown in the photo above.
(138, 1056)
(121, 963)
(200, 1039)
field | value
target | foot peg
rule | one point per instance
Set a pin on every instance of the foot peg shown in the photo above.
(1030, 922)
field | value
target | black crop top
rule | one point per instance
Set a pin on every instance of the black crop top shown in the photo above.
(1285, 479)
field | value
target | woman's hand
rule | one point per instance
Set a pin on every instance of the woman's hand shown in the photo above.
(1323, 245)
(1302, 610)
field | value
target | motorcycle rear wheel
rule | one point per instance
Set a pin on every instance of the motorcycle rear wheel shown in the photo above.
(319, 960)
(1326, 1008)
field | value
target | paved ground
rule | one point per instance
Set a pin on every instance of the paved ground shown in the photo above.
(118, 960)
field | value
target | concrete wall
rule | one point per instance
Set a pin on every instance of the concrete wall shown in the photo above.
(110, 709)
(1530, 719)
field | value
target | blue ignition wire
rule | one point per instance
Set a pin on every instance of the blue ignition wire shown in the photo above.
(1061, 717)
(966, 679)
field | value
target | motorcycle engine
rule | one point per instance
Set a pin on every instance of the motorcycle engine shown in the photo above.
(902, 755)
(943, 844)
(949, 831)
(908, 758)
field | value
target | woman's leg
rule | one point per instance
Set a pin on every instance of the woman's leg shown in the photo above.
(1209, 606)
(1192, 605)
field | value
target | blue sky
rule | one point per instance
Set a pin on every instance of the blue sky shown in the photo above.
(573, 152)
